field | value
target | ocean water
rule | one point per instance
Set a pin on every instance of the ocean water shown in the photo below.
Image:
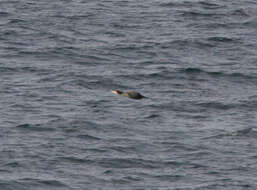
(61, 128)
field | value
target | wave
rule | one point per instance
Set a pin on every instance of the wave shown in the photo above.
(184, 4)
(239, 12)
(133, 163)
(34, 127)
(4, 14)
(200, 43)
(215, 105)
(250, 23)
(247, 132)
(88, 137)
(17, 21)
(200, 14)
(49, 182)
(220, 39)
(74, 159)
(194, 70)
(32, 183)
(210, 5)
(165, 73)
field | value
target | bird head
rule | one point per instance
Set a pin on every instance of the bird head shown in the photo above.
(117, 92)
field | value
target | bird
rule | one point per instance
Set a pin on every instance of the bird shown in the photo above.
(129, 94)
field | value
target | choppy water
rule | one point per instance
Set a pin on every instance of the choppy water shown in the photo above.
(62, 128)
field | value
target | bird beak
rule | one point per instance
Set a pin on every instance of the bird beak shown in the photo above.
(115, 92)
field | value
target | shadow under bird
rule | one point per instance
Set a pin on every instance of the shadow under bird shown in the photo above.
(129, 94)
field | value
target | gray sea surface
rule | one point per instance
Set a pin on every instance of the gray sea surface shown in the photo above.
(61, 127)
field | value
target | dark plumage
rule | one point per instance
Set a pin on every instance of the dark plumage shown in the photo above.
(129, 94)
